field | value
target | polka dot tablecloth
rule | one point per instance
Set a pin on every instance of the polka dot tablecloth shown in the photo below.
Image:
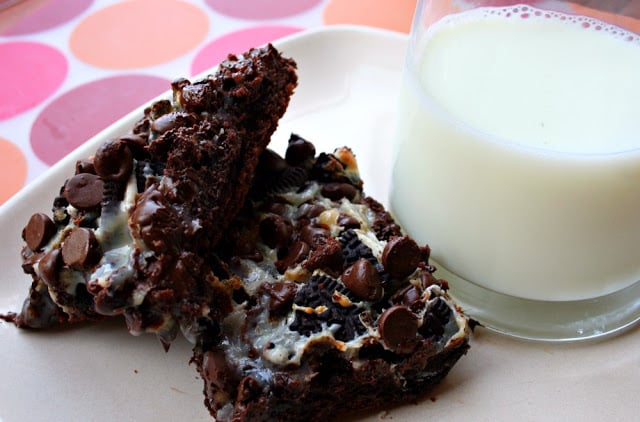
(69, 68)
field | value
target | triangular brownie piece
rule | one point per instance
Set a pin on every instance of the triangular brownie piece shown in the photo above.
(133, 231)
(334, 309)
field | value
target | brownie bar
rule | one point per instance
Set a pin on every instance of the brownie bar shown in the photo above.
(334, 309)
(133, 231)
(304, 299)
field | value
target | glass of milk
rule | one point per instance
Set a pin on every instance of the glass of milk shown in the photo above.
(517, 159)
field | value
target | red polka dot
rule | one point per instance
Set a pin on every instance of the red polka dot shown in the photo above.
(30, 72)
(13, 169)
(394, 15)
(38, 15)
(76, 116)
(139, 33)
(237, 42)
(261, 9)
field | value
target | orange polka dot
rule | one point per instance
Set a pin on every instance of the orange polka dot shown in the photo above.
(626, 22)
(13, 169)
(139, 33)
(394, 15)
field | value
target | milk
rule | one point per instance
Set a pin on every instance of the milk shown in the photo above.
(518, 154)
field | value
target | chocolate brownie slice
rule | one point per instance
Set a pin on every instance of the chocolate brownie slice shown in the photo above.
(133, 231)
(334, 309)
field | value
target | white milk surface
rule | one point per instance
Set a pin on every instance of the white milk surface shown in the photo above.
(518, 158)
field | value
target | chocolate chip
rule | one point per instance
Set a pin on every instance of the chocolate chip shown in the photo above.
(80, 248)
(281, 295)
(428, 279)
(135, 142)
(348, 221)
(310, 210)
(398, 327)
(299, 150)
(411, 297)
(38, 231)
(296, 254)
(401, 256)
(276, 208)
(363, 280)
(276, 231)
(48, 267)
(85, 166)
(113, 161)
(84, 191)
(196, 97)
(338, 190)
(169, 121)
(156, 222)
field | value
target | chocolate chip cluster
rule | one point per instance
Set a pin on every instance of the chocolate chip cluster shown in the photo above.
(332, 303)
(377, 292)
(310, 224)
(134, 229)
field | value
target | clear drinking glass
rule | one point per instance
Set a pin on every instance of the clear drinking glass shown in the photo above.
(517, 159)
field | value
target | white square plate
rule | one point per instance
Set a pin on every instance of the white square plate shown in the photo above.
(349, 78)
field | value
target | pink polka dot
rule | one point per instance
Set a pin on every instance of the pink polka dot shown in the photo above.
(237, 42)
(76, 116)
(30, 72)
(261, 9)
(13, 169)
(38, 15)
(139, 33)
